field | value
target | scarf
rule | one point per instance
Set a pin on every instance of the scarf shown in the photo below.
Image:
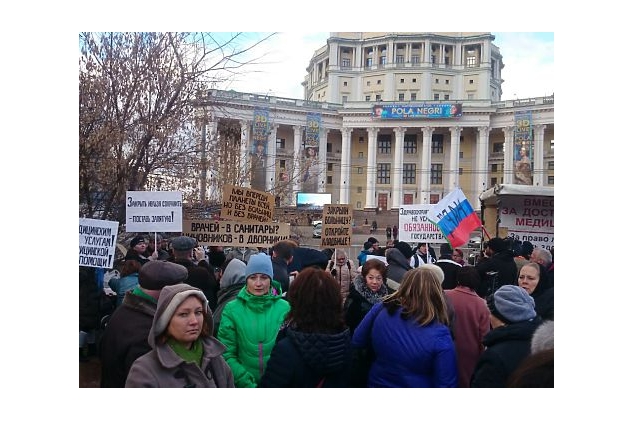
(369, 295)
(193, 355)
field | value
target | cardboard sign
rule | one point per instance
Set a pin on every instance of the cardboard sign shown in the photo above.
(157, 211)
(236, 233)
(97, 242)
(244, 204)
(336, 228)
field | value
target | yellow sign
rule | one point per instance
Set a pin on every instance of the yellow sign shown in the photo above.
(243, 204)
(336, 228)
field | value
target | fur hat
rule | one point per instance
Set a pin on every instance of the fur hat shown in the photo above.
(168, 306)
(405, 249)
(511, 304)
(156, 274)
(543, 337)
(136, 240)
(183, 243)
(259, 263)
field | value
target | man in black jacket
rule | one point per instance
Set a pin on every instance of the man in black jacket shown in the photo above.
(500, 269)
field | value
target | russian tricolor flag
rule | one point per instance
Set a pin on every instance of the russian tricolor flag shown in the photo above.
(455, 218)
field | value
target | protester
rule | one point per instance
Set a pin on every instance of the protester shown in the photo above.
(500, 269)
(368, 288)
(395, 232)
(471, 322)
(420, 255)
(458, 257)
(533, 279)
(232, 279)
(513, 322)
(128, 280)
(126, 335)
(88, 309)
(409, 335)
(281, 257)
(184, 353)
(137, 251)
(448, 266)
(364, 253)
(544, 258)
(398, 260)
(313, 347)
(343, 270)
(251, 321)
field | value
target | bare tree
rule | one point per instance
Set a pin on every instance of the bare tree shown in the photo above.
(137, 120)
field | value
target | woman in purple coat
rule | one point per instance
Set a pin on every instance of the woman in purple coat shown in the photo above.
(409, 333)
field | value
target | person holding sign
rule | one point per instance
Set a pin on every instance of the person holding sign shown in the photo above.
(137, 251)
(250, 322)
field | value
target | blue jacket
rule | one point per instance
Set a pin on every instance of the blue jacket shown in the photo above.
(362, 257)
(123, 285)
(407, 354)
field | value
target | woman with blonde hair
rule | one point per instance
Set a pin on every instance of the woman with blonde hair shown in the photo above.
(409, 334)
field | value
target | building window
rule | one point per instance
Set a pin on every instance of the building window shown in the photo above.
(280, 143)
(360, 170)
(329, 147)
(360, 155)
(378, 82)
(437, 81)
(345, 62)
(412, 96)
(446, 96)
(329, 179)
(409, 173)
(551, 179)
(470, 81)
(413, 80)
(345, 83)
(436, 97)
(383, 173)
(494, 181)
(329, 166)
(460, 170)
(402, 80)
(282, 163)
(470, 96)
(446, 81)
(461, 155)
(409, 144)
(344, 99)
(551, 165)
(383, 60)
(498, 147)
(415, 59)
(400, 59)
(401, 97)
(359, 190)
(494, 167)
(367, 83)
(471, 62)
(446, 60)
(384, 143)
(434, 198)
(368, 62)
(367, 98)
(437, 143)
(436, 173)
(378, 97)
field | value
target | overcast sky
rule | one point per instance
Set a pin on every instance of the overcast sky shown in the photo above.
(528, 63)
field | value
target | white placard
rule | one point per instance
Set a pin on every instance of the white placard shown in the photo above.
(413, 226)
(154, 211)
(97, 242)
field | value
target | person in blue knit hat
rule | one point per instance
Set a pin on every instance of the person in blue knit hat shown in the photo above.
(250, 322)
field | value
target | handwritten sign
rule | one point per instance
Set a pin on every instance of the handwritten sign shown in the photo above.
(336, 228)
(236, 233)
(244, 204)
(414, 226)
(147, 211)
(97, 242)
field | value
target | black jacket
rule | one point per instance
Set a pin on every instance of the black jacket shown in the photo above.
(280, 272)
(303, 359)
(502, 263)
(506, 347)
(201, 276)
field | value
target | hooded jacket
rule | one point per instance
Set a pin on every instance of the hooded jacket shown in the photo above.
(232, 281)
(309, 360)
(162, 367)
(248, 329)
(397, 264)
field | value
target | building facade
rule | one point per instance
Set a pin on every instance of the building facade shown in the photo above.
(391, 119)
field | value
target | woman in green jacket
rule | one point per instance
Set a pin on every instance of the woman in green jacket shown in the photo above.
(250, 323)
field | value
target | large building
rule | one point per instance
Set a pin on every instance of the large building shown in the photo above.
(391, 119)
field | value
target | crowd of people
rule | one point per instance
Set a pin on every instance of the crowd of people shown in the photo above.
(292, 316)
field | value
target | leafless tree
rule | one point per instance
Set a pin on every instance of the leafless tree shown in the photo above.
(138, 128)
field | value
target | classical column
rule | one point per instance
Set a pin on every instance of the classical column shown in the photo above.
(425, 166)
(508, 154)
(297, 161)
(454, 158)
(370, 199)
(344, 188)
(321, 179)
(245, 180)
(482, 163)
(539, 175)
(271, 155)
(397, 184)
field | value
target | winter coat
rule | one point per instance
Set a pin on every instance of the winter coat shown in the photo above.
(360, 301)
(232, 281)
(123, 285)
(344, 274)
(248, 329)
(280, 272)
(506, 347)
(407, 354)
(309, 360)
(470, 324)
(133, 255)
(397, 264)
(125, 338)
(162, 367)
(545, 303)
(201, 276)
(363, 256)
(449, 269)
(502, 263)
(88, 300)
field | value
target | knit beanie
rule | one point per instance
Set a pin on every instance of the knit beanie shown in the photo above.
(167, 306)
(511, 304)
(405, 249)
(259, 263)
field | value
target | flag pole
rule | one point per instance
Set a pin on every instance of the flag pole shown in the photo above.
(486, 233)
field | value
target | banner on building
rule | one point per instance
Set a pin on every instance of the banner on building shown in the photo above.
(154, 211)
(260, 125)
(529, 218)
(236, 233)
(336, 228)
(313, 126)
(243, 204)
(523, 148)
(418, 111)
(97, 242)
